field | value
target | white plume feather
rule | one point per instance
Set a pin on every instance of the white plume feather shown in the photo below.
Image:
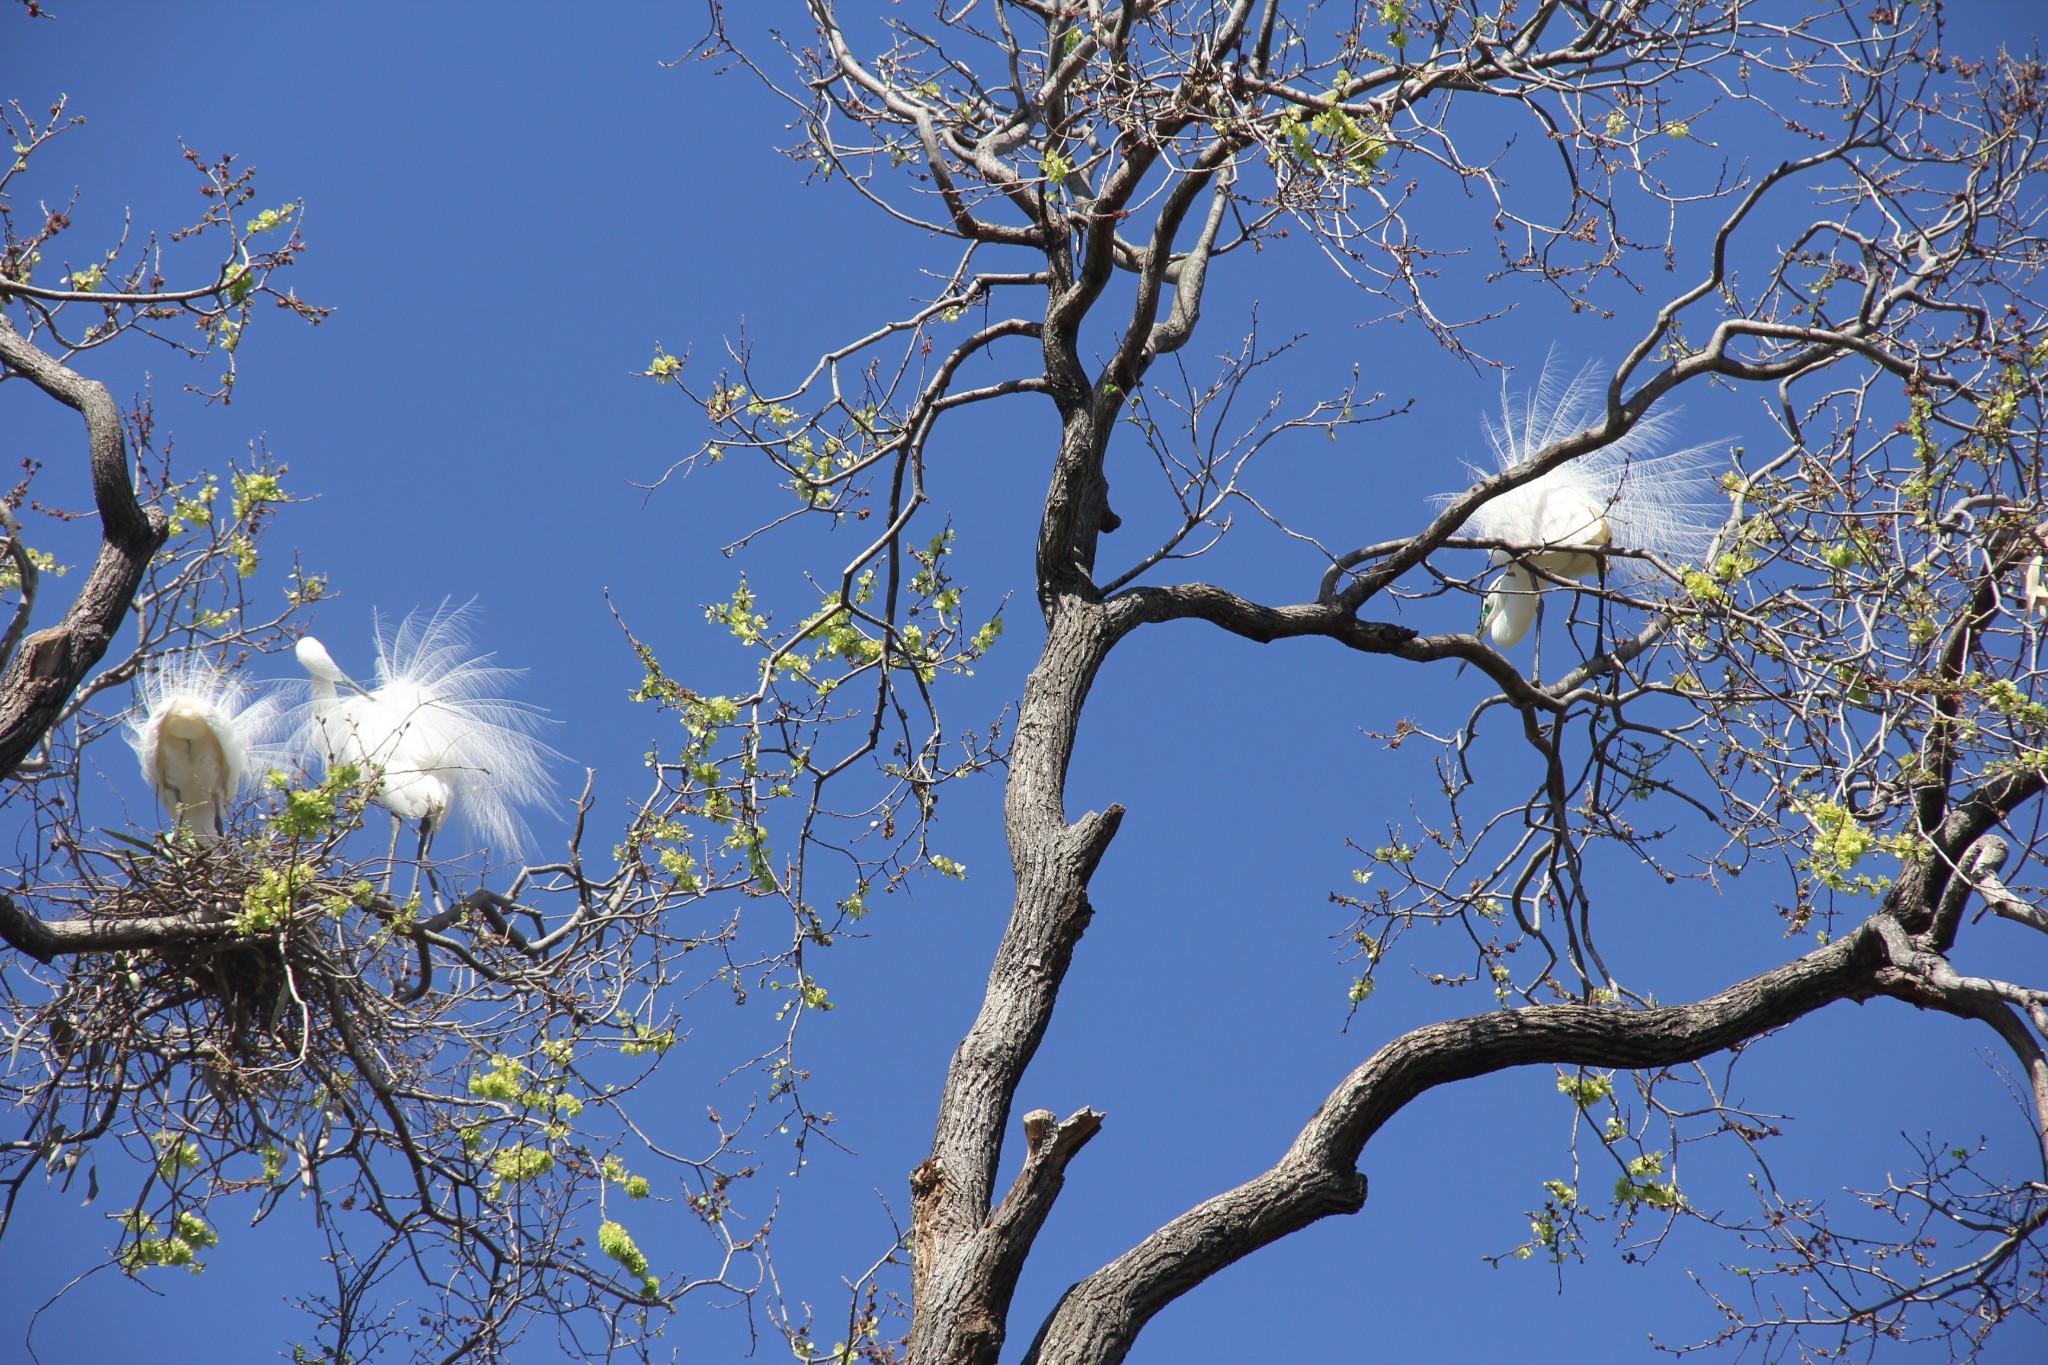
(199, 734)
(1650, 498)
(1632, 494)
(435, 728)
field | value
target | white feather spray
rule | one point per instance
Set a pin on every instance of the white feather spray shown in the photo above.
(1632, 494)
(434, 730)
(198, 733)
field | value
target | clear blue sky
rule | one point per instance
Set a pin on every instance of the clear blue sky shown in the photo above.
(509, 206)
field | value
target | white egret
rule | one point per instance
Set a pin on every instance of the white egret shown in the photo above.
(1631, 494)
(197, 733)
(2036, 581)
(431, 735)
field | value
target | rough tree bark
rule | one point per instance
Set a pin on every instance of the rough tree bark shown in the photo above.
(43, 672)
(49, 664)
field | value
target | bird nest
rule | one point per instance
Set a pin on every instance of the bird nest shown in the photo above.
(224, 960)
(246, 1003)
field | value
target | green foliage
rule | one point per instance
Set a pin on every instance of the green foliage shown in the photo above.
(2005, 697)
(43, 562)
(1639, 1184)
(269, 905)
(664, 367)
(175, 1155)
(507, 1080)
(1554, 1228)
(256, 490)
(1586, 1089)
(315, 813)
(855, 905)
(194, 507)
(256, 496)
(306, 588)
(189, 1235)
(520, 1163)
(614, 1172)
(807, 993)
(617, 1243)
(1331, 141)
(1703, 587)
(643, 1041)
(1396, 16)
(270, 219)
(739, 617)
(504, 1079)
(1839, 842)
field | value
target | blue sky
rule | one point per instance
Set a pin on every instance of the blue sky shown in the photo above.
(509, 206)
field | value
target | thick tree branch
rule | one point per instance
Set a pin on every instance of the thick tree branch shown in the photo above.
(29, 578)
(1099, 1318)
(1330, 620)
(1191, 273)
(50, 664)
(45, 670)
(45, 941)
(954, 1241)
(985, 1265)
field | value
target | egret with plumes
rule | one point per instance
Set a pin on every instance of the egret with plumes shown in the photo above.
(431, 735)
(197, 733)
(2035, 605)
(1630, 494)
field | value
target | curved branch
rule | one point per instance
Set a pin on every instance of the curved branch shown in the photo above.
(45, 670)
(1330, 620)
(50, 664)
(115, 297)
(1099, 1318)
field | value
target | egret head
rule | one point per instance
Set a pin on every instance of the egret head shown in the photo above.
(314, 658)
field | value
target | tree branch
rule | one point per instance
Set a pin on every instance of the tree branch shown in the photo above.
(46, 941)
(50, 664)
(1099, 1318)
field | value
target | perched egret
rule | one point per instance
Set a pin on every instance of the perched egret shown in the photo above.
(197, 732)
(431, 735)
(1632, 494)
(2036, 604)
